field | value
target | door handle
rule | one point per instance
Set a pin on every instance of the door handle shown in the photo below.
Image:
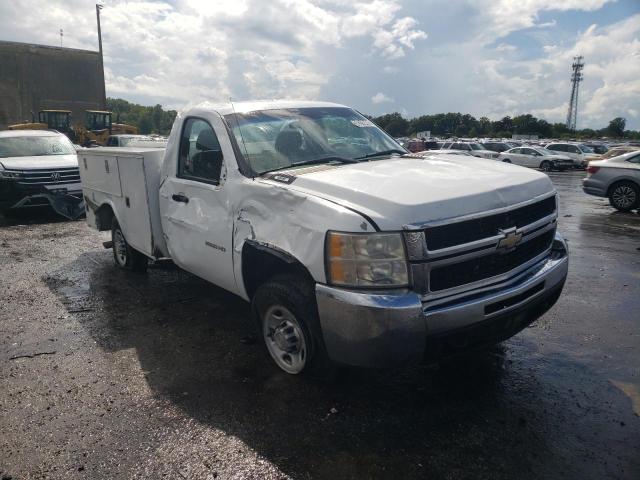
(179, 197)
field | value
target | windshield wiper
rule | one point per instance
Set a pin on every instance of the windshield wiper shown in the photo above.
(381, 154)
(325, 159)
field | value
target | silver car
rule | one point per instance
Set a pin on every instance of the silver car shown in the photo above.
(617, 178)
(536, 157)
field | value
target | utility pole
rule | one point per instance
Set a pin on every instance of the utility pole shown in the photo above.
(61, 35)
(576, 78)
(104, 93)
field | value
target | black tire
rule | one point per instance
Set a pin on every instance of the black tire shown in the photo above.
(546, 166)
(624, 196)
(295, 295)
(506, 160)
(123, 255)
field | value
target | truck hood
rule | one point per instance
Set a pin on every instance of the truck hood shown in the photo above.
(40, 161)
(404, 191)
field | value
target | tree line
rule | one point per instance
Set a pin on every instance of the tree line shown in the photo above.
(157, 120)
(148, 119)
(465, 125)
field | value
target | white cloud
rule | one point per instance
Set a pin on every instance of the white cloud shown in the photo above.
(381, 98)
(187, 51)
(505, 47)
(542, 85)
(179, 52)
(501, 17)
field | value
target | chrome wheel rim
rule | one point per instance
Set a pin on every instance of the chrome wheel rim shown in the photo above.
(546, 166)
(120, 247)
(624, 196)
(285, 339)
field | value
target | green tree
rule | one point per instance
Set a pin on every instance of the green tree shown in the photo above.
(393, 123)
(616, 127)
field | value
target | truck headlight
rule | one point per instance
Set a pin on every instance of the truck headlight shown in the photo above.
(366, 260)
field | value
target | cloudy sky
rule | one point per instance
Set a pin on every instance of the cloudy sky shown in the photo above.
(484, 57)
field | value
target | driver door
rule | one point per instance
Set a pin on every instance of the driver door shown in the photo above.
(196, 217)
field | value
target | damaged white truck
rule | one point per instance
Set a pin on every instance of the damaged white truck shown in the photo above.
(349, 251)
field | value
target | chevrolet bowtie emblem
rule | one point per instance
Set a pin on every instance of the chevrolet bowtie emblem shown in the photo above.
(510, 238)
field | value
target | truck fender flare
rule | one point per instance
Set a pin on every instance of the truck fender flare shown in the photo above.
(275, 261)
(273, 250)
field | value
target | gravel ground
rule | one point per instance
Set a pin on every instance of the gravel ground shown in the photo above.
(107, 374)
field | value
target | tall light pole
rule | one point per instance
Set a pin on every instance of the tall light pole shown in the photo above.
(104, 93)
(576, 78)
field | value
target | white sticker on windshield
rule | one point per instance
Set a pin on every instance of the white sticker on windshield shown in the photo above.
(362, 123)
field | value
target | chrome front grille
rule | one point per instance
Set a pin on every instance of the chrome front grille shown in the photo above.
(464, 254)
(49, 176)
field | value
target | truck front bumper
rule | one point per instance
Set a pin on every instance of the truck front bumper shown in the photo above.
(392, 328)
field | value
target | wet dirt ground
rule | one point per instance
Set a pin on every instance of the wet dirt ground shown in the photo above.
(106, 374)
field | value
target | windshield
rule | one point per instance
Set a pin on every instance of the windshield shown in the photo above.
(476, 146)
(586, 149)
(35, 146)
(276, 139)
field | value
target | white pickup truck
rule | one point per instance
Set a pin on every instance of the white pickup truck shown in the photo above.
(349, 251)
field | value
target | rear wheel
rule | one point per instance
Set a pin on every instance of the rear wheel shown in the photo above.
(286, 309)
(125, 256)
(624, 196)
(546, 166)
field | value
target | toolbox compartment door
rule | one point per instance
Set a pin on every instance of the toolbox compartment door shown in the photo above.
(100, 173)
(134, 212)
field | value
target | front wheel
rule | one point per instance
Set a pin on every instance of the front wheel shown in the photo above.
(125, 256)
(286, 310)
(624, 196)
(506, 160)
(546, 166)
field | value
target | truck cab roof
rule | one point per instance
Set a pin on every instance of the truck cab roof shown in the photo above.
(246, 107)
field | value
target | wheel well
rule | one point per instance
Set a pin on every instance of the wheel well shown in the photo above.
(262, 262)
(618, 182)
(104, 217)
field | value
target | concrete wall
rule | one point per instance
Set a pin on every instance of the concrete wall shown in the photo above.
(36, 77)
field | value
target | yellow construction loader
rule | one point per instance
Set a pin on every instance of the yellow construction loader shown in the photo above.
(95, 131)
(98, 127)
(48, 119)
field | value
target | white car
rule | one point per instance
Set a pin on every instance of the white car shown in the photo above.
(472, 148)
(616, 178)
(535, 157)
(39, 167)
(581, 154)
